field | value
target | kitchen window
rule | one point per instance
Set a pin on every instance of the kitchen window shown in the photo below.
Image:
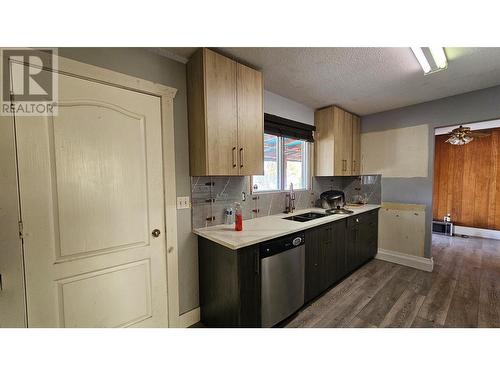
(286, 160)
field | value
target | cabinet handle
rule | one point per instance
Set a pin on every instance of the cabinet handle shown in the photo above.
(344, 165)
(354, 165)
(241, 157)
(257, 262)
(234, 157)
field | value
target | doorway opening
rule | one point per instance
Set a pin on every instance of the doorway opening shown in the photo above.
(466, 187)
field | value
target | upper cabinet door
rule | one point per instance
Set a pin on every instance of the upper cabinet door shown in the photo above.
(337, 132)
(250, 121)
(342, 142)
(324, 145)
(226, 116)
(221, 114)
(356, 146)
(338, 139)
(347, 145)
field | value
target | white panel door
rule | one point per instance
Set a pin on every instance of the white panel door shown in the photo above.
(91, 194)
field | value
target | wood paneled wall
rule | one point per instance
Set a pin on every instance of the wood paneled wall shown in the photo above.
(467, 181)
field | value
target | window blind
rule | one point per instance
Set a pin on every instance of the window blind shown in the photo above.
(284, 127)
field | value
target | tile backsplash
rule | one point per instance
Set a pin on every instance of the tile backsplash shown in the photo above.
(211, 195)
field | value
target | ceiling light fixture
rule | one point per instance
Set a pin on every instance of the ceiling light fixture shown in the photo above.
(419, 54)
(439, 57)
(431, 59)
(463, 135)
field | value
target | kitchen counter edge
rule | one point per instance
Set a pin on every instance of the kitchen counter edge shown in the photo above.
(217, 232)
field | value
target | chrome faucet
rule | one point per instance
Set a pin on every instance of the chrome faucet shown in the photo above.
(290, 200)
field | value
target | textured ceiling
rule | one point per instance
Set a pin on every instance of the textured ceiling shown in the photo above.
(363, 80)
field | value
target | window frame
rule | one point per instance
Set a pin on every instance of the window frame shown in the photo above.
(306, 168)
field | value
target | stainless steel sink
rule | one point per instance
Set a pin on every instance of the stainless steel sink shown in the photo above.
(305, 216)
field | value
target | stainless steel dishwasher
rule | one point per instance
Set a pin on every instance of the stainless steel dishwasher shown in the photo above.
(282, 267)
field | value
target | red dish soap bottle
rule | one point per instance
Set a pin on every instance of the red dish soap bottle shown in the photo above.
(238, 217)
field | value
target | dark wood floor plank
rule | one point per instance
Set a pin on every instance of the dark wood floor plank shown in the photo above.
(462, 291)
(463, 310)
(424, 323)
(376, 310)
(437, 302)
(316, 311)
(489, 303)
(344, 310)
(407, 273)
(404, 311)
(359, 323)
(422, 282)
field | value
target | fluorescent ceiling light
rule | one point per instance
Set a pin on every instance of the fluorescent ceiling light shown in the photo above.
(419, 54)
(431, 59)
(439, 57)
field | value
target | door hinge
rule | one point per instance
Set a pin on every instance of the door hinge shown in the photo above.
(20, 229)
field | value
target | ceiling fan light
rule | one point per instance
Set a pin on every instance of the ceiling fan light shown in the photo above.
(467, 139)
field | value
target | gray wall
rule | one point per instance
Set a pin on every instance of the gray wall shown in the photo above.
(144, 64)
(470, 107)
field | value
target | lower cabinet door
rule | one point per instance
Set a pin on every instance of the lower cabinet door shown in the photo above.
(319, 254)
(249, 287)
(368, 231)
(327, 254)
(313, 276)
(352, 248)
(339, 260)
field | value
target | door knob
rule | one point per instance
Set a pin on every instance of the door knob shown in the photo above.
(156, 233)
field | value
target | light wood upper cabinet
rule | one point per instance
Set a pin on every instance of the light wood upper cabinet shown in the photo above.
(336, 142)
(356, 145)
(346, 140)
(250, 121)
(226, 117)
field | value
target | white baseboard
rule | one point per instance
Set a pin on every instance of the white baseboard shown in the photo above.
(189, 318)
(477, 232)
(420, 263)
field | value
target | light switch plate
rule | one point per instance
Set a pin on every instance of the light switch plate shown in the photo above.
(183, 203)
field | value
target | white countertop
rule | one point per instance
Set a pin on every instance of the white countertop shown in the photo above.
(269, 227)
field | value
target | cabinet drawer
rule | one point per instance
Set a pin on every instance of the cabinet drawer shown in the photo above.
(370, 217)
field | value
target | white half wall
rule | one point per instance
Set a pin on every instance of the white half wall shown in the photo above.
(420, 263)
(402, 228)
(400, 152)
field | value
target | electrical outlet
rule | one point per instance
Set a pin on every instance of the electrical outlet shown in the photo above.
(183, 203)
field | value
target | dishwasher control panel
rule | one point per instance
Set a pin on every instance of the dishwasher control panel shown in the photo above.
(282, 244)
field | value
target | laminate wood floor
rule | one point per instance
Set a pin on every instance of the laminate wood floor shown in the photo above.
(462, 291)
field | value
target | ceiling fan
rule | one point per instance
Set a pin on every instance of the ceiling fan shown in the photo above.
(463, 135)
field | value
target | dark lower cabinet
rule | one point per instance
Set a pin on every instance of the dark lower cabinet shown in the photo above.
(230, 279)
(354, 258)
(339, 245)
(361, 239)
(325, 257)
(336, 249)
(229, 285)
(319, 260)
